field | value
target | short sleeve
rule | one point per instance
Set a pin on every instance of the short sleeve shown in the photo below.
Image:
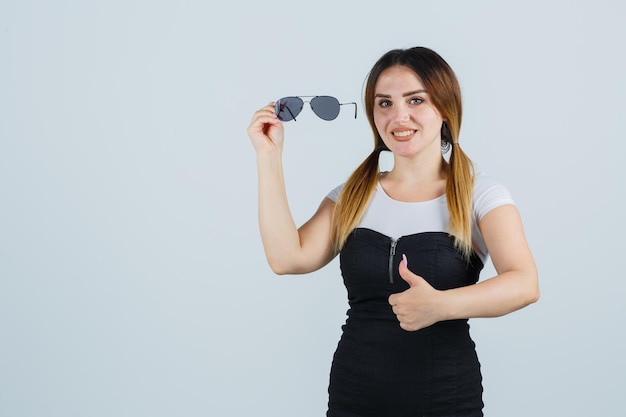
(334, 193)
(488, 195)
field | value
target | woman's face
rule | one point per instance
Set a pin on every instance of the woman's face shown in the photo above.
(405, 118)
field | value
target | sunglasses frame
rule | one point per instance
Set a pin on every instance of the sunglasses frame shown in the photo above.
(278, 109)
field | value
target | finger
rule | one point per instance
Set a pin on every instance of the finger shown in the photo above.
(393, 299)
(404, 264)
(265, 110)
(264, 114)
(406, 274)
(271, 108)
(409, 327)
(262, 119)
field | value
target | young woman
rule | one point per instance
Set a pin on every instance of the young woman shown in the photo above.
(412, 242)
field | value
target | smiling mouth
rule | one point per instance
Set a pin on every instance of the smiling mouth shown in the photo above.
(404, 133)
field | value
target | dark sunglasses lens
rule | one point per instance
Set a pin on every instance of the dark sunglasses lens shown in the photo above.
(326, 107)
(287, 108)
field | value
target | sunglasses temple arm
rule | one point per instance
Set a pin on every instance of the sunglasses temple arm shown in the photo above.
(280, 107)
(344, 104)
(292, 116)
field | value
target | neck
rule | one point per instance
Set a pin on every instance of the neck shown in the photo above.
(418, 170)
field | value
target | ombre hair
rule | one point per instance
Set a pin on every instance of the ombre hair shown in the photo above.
(444, 91)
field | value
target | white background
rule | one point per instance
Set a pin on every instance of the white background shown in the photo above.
(132, 279)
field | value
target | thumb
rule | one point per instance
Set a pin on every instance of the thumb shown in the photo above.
(407, 275)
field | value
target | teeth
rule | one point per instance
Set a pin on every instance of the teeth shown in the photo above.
(405, 133)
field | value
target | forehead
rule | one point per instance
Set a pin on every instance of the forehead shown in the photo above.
(397, 79)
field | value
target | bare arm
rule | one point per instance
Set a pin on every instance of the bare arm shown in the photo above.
(289, 249)
(515, 285)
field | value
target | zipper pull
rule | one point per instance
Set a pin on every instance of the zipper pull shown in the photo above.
(392, 252)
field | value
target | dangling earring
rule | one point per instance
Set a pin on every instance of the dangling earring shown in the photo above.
(446, 137)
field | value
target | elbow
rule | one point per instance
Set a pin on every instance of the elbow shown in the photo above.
(280, 266)
(533, 292)
(277, 267)
(533, 297)
(536, 295)
(278, 270)
(276, 261)
(288, 266)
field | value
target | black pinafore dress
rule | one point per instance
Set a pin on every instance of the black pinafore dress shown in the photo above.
(381, 370)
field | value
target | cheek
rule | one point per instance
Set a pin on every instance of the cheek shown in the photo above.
(379, 121)
(432, 119)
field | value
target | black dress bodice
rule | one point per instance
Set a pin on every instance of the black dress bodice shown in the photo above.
(379, 369)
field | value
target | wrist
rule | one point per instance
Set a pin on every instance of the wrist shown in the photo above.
(269, 158)
(446, 305)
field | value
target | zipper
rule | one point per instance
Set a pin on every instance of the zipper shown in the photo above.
(392, 252)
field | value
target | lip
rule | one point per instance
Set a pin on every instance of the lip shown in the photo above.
(403, 138)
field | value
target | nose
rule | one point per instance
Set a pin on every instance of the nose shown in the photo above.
(402, 113)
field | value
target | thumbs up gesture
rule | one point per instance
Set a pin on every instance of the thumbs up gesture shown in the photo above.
(419, 306)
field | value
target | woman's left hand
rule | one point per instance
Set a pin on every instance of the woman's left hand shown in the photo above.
(420, 305)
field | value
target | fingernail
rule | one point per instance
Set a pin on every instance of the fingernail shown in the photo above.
(405, 261)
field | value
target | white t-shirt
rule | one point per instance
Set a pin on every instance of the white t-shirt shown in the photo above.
(397, 218)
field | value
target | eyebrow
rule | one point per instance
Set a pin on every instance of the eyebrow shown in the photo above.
(410, 93)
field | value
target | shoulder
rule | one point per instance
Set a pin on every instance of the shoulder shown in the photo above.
(334, 193)
(484, 181)
(489, 193)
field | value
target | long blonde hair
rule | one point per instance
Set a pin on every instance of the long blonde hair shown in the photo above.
(443, 88)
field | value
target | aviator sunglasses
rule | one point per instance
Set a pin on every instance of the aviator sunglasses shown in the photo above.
(326, 107)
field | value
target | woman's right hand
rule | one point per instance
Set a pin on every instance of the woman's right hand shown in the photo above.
(266, 131)
(289, 249)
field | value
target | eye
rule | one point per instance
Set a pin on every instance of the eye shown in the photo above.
(384, 103)
(416, 100)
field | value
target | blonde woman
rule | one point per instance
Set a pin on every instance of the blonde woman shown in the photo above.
(412, 242)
